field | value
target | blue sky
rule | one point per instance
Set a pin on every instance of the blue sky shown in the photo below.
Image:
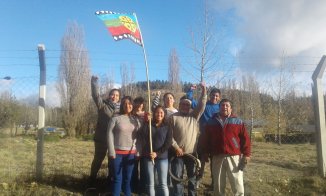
(253, 36)
(25, 24)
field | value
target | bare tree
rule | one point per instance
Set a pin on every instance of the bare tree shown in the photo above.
(205, 46)
(174, 71)
(127, 79)
(108, 82)
(74, 78)
(282, 87)
(251, 100)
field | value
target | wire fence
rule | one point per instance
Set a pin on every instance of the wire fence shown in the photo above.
(72, 159)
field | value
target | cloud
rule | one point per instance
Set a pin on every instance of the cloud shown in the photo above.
(274, 29)
(52, 95)
(271, 33)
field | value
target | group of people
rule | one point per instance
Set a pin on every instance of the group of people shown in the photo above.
(146, 144)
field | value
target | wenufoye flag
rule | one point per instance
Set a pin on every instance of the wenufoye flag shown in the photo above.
(121, 26)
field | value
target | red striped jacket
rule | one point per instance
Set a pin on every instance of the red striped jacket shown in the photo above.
(229, 137)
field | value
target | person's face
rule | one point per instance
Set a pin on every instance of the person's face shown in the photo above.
(114, 96)
(184, 107)
(168, 101)
(159, 115)
(139, 107)
(214, 98)
(127, 107)
(225, 109)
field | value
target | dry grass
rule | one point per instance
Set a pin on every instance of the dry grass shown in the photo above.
(274, 170)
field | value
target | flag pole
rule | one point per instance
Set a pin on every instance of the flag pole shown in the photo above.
(148, 89)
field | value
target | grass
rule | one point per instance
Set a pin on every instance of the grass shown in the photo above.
(274, 170)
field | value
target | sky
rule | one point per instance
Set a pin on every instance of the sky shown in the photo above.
(254, 36)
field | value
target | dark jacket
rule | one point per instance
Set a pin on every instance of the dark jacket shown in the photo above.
(161, 141)
(106, 110)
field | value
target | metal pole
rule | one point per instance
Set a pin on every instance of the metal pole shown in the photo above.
(320, 115)
(41, 113)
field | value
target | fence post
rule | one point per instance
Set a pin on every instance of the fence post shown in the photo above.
(320, 115)
(41, 113)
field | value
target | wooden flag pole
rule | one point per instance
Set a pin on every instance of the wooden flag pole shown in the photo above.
(148, 89)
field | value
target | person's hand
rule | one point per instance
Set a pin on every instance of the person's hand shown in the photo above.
(153, 155)
(202, 85)
(147, 116)
(203, 88)
(158, 93)
(193, 87)
(112, 157)
(243, 162)
(246, 160)
(179, 152)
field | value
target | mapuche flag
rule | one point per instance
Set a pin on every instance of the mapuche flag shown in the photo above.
(121, 26)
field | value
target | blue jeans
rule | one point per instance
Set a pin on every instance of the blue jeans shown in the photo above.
(138, 178)
(122, 167)
(161, 166)
(177, 167)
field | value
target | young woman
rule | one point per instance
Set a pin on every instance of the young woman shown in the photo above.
(138, 110)
(138, 178)
(107, 108)
(122, 131)
(168, 100)
(161, 141)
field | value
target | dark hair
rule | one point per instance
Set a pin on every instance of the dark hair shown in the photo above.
(139, 100)
(215, 90)
(226, 101)
(155, 109)
(123, 100)
(114, 89)
(183, 97)
(166, 94)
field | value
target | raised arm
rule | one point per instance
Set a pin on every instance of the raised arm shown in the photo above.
(198, 111)
(95, 92)
(190, 96)
(98, 99)
(156, 100)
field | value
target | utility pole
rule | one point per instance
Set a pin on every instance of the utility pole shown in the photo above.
(41, 113)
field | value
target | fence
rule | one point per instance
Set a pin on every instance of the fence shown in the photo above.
(67, 161)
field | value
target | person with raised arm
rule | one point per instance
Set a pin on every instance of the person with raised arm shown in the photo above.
(107, 108)
(185, 130)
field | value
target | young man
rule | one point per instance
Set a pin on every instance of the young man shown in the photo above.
(227, 142)
(184, 126)
(212, 107)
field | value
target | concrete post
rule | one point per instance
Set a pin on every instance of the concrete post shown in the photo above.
(320, 115)
(41, 113)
